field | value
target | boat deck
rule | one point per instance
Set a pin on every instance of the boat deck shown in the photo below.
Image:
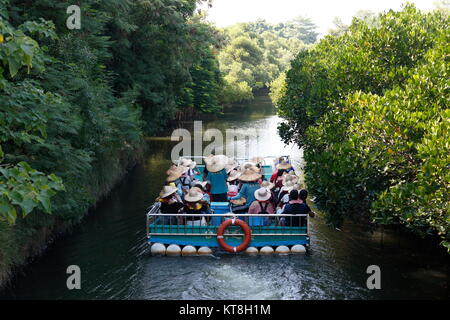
(265, 229)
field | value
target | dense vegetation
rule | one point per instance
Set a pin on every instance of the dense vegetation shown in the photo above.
(258, 53)
(75, 104)
(370, 107)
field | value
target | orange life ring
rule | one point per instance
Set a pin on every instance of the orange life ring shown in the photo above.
(244, 227)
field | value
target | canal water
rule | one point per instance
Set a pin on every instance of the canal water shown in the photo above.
(111, 250)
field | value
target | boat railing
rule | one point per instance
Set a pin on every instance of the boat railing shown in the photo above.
(179, 224)
(238, 159)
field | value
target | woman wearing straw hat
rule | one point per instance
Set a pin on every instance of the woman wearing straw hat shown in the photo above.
(283, 196)
(233, 183)
(290, 185)
(173, 176)
(249, 178)
(195, 206)
(278, 181)
(217, 177)
(291, 176)
(232, 164)
(283, 166)
(201, 187)
(193, 171)
(270, 186)
(170, 203)
(257, 160)
(233, 178)
(262, 204)
(185, 179)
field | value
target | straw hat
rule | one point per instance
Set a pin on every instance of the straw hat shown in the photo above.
(174, 173)
(181, 169)
(262, 194)
(284, 165)
(250, 175)
(194, 195)
(268, 185)
(290, 178)
(167, 191)
(287, 187)
(257, 160)
(171, 169)
(185, 162)
(216, 163)
(193, 165)
(202, 183)
(249, 165)
(197, 189)
(233, 175)
(231, 165)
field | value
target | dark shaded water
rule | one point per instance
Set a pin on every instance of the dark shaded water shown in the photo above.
(110, 248)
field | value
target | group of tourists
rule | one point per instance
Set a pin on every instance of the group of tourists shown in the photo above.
(243, 185)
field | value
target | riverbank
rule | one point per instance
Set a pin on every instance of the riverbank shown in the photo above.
(39, 240)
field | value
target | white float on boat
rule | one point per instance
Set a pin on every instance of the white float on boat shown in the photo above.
(158, 249)
(173, 250)
(204, 251)
(189, 251)
(266, 250)
(298, 248)
(251, 250)
(282, 250)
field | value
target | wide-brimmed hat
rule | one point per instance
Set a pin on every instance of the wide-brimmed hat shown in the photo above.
(167, 191)
(287, 187)
(290, 177)
(202, 183)
(268, 185)
(257, 160)
(233, 175)
(262, 194)
(194, 195)
(284, 165)
(198, 189)
(216, 163)
(171, 169)
(185, 162)
(250, 165)
(231, 165)
(174, 173)
(250, 175)
(193, 165)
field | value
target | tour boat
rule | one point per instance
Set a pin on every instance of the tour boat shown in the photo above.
(225, 230)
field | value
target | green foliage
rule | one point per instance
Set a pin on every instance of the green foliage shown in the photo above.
(370, 109)
(75, 103)
(165, 51)
(203, 91)
(27, 189)
(256, 54)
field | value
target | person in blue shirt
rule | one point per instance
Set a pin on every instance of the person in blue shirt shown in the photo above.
(217, 177)
(249, 179)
